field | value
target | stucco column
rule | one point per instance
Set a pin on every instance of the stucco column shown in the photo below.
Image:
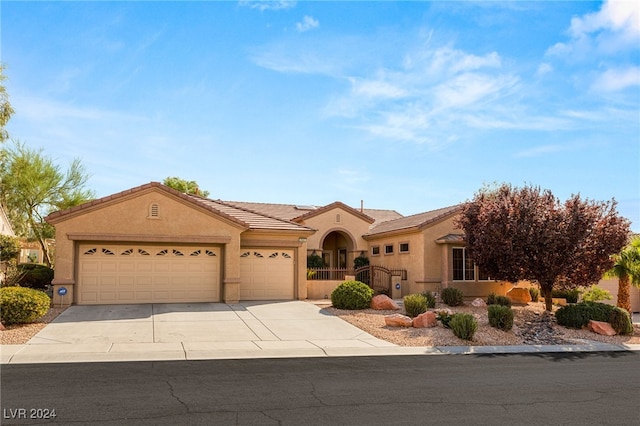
(64, 272)
(231, 278)
(301, 270)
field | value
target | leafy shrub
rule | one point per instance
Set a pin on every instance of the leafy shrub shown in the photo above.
(570, 295)
(415, 304)
(352, 295)
(500, 317)
(535, 293)
(20, 305)
(494, 299)
(360, 261)
(314, 261)
(9, 247)
(595, 293)
(444, 317)
(578, 315)
(34, 275)
(431, 299)
(463, 326)
(452, 296)
(620, 320)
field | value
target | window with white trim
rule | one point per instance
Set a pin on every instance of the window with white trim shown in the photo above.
(388, 249)
(375, 251)
(403, 247)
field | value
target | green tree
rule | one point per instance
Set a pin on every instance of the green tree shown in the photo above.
(33, 186)
(6, 110)
(9, 247)
(627, 269)
(528, 234)
(185, 186)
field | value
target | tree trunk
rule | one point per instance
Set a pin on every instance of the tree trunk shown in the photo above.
(624, 293)
(548, 298)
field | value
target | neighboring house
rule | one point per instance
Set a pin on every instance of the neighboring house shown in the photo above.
(5, 226)
(153, 244)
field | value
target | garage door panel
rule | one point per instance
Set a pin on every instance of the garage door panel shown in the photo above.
(266, 274)
(136, 274)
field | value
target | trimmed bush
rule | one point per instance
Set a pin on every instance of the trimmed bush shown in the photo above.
(570, 295)
(535, 293)
(352, 295)
(415, 304)
(19, 305)
(620, 320)
(34, 275)
(500, 317)
(452, 296)
(494, 299)
(578, 315)
(463, 326)
(431, 299)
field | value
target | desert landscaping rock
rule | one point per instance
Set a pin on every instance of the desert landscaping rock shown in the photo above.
(426, 319)
(398, 320)
(519, 296)
(479, 303)
(383, 302)
(600, 327)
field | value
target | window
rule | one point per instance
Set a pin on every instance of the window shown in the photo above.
(463, 267)
(375, 251)
(388, 249)
(404, 248)
(338, 218)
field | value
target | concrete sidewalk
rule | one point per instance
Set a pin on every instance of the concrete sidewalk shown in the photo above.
(164, 332)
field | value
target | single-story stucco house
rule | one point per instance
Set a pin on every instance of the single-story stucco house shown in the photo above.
(155, 244)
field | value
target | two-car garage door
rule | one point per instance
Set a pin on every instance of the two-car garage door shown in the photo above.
(148, 274)
(145, 273)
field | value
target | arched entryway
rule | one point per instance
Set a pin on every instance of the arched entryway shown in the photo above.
(337, 249)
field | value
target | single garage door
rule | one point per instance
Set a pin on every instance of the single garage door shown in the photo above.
(148, 274)
(266, 274)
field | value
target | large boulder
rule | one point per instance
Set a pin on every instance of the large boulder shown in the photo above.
(426, 319)
(601, 327)
(519, 295)
(398, 320)
(383, 302)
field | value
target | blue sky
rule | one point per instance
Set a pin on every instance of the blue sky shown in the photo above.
(409, 106)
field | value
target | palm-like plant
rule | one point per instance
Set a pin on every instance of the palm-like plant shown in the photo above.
(627, 270)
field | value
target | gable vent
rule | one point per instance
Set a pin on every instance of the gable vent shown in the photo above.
(154, 210)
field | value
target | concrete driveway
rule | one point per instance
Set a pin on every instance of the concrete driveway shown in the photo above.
(192, 331)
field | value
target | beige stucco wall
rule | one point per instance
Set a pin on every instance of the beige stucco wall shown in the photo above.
(611, 285)
(351, 225)
(128, 219)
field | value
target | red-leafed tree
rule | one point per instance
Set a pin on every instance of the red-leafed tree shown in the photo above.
(528, 234)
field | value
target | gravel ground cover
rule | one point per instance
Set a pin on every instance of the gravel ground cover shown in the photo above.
(18, 334)
(532, 326)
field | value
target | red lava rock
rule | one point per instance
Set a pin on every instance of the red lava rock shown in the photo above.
(398, 320)
(383, 302)
(426, 319)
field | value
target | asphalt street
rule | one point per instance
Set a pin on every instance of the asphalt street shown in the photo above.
(543, 389)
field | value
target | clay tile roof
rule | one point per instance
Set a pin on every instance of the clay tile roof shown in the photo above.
(254, 220)
(416, 221)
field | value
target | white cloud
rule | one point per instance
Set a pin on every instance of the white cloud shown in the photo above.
(544, 68)
(308, 23)
(615, 27)
(538, 151)
(613, 80)
(268, 4)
